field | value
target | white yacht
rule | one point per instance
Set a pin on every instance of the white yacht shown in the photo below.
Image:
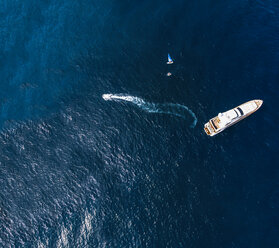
(230, 117)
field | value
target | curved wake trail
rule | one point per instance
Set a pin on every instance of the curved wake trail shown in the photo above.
(160, 108)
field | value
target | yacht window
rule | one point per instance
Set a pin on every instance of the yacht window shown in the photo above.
(240, 110)
(214, 125)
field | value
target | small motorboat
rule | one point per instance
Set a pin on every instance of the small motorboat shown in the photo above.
(106, 96)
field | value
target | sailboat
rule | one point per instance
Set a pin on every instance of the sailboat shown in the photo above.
(170, 61)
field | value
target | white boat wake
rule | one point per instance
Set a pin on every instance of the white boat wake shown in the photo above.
(160, 108)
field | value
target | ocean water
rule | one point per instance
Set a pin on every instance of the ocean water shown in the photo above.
(138, 170)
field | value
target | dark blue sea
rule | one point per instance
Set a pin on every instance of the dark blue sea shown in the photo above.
(138, 170)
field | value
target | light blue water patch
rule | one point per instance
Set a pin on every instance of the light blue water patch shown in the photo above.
(40, 43)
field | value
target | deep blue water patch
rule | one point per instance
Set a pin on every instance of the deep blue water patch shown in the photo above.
(78, 171)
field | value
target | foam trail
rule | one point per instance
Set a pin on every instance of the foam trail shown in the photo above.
(160, 108)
